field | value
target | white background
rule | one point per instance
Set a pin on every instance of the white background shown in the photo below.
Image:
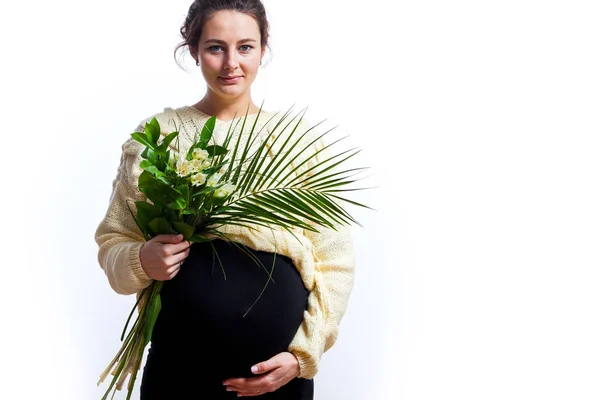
(478, 275)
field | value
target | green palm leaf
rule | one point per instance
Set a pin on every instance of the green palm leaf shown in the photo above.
(291, 187)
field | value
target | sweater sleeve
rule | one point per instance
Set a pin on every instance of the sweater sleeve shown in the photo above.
(118, 236)
(333, 256)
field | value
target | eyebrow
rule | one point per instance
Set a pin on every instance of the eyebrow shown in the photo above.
(223, 42)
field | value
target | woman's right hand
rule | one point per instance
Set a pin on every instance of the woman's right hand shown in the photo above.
(162, 256)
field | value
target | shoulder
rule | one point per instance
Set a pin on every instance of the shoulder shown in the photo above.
(169, 119)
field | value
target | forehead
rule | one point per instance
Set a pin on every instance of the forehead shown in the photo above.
(230, 24)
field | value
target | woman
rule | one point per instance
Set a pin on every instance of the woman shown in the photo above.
(202, 347)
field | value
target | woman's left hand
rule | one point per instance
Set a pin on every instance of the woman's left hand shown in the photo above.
(274, 373)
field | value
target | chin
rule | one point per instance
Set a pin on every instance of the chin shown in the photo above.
(231, 91)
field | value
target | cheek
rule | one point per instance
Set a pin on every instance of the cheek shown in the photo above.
(210, 62)
(252, 64)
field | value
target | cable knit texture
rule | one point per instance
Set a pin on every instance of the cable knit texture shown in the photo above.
(325, 260)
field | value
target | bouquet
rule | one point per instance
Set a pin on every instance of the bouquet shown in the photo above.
(196, 191)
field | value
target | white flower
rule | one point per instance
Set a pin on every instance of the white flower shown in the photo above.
(214, 179)
(183, 167)
(200, 155)
(224, 190)
(198, 179)
(198, 165)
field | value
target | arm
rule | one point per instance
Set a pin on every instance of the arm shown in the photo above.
(327, 302)
(333, 256)
(118, 236)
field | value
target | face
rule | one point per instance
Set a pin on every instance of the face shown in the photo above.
(229, 52)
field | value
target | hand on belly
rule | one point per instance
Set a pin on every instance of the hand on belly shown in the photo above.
(271, 375)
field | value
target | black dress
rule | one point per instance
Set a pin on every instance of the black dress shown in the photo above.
(201, 337)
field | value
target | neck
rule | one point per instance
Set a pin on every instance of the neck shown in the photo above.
(226, 109)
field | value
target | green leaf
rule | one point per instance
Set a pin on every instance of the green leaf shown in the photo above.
(277, 159)
(295, 207)
(151, 316)
(152, 130)
(211, 170)
(157, 191)
(207, 131)
(160, 226)
(143, 229)
(167, 140)
(205, 136)
(156, 172)
(135, 306)
(138, 137)
(164, 179)
(161, 152)
(204, 190)
(215, 150)
(146, 212)
(352, 202)
(309, 197)
(198, 238)
(247, 146)
(145, 164)
(186, 230)
(178, 204)
(184, 189)
(152, 156)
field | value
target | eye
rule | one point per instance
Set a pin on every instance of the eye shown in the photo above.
(246, 47)
(214, 48)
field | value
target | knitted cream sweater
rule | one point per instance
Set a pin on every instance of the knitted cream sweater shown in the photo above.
(325, 260)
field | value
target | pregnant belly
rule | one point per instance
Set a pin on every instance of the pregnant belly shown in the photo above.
(212, 313)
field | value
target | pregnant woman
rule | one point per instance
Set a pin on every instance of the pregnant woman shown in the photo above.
(204, 345)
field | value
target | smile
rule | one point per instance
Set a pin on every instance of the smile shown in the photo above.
(230, 80)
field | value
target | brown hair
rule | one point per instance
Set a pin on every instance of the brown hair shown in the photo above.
(201, 10)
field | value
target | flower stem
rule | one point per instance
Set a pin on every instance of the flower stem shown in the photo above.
(129, 358)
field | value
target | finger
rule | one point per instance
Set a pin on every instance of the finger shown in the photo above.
(174, 268)
(172, 275)
(250, 394)
(259, 383)
(265, 366)
(168, 239)
(177, 259)
(237, 383)
(179, 247)
(246, 392)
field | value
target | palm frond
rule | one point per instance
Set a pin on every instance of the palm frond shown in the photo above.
(290, 187)
(216, 253)
(275, 161)
(266, 284)
(333, 178)
(320, 169)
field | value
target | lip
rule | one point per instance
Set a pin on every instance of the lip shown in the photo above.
(230, 79)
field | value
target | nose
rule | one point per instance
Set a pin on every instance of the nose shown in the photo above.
(231, 61)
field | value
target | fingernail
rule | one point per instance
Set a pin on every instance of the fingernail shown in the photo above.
(225, 383)
(254, 369)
